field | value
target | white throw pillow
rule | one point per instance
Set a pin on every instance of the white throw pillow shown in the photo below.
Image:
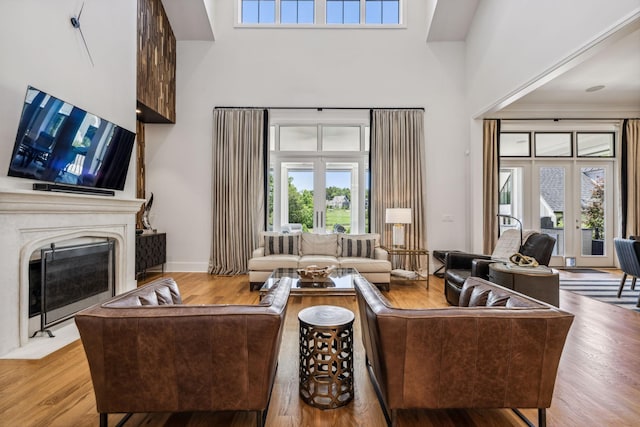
(319, 244)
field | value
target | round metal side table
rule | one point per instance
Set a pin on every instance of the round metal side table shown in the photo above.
(326, 356)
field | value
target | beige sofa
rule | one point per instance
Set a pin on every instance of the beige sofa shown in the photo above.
(300, 250)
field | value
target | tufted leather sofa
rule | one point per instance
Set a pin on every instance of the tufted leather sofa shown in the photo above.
(498, 349)
(148, 352)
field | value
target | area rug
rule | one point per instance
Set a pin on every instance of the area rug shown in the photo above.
(581, 270)
(604, 290)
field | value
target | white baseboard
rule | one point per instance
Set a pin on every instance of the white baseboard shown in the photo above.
(185, 267)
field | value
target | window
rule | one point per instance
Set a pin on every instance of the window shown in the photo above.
(318, 171)
(595, 144)
(553, 144)
(258, 11)
(296, 11)
(559, 179)
(515, 144)
(343, 11)
(340, 138)
(382, 11)
(319, 13)
(298, 138)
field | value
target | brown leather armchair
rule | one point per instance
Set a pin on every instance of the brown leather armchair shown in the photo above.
(498, 349)
(148, 352)
(461, 265)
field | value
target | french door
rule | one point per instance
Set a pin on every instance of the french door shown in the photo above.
(322, 194)
(571, 200)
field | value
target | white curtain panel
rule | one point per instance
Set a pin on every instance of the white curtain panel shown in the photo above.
(238, 187)
(397, 172)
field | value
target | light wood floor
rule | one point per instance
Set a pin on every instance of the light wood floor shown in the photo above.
(598, 381)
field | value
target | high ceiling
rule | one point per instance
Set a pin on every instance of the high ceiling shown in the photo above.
(614, 63)
(616, 67)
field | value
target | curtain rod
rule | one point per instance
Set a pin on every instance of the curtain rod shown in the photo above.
(329, 108)
(562, 119)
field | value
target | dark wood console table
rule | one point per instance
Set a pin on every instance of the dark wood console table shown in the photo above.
(151, 250)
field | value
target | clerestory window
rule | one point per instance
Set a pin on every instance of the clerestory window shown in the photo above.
(320, 13)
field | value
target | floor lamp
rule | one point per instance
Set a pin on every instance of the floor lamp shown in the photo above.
(398, 217)
(517, 220)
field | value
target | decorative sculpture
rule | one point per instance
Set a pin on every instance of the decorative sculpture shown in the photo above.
(145, 216)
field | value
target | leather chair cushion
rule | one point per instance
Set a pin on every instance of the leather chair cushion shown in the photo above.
(160, 292)
(479, 297)
(539, 246)
(495, 299)
(456, 276)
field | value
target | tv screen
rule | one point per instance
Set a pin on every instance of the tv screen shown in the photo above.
(59, 142)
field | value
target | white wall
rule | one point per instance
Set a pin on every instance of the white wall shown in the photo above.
(512, 44)
(302, 68)
(39, 47)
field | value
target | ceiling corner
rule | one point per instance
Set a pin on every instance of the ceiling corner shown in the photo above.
(450, 20)
(190, 19)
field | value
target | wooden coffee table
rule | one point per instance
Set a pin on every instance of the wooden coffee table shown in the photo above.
(339, 282)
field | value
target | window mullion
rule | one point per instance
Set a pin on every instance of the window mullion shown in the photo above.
(320, 12)
(277, 12)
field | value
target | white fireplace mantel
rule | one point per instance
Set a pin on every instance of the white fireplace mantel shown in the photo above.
(30, 220)
(25, 201)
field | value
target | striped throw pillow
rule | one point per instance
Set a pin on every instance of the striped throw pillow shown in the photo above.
(358, 248)
(281, 244)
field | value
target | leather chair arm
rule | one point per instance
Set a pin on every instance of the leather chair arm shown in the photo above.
(461, 260)
(480, 267)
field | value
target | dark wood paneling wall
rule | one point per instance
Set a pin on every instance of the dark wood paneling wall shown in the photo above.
(140, 174)
(156, 64)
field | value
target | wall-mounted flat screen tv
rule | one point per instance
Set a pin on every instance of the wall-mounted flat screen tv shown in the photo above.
(61, 143)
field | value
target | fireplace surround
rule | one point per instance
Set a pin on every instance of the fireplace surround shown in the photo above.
(31, 220)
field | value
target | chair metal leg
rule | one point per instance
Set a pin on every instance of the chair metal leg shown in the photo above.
(104, 419)
(624, 279)
(542, 417)
(633, 283)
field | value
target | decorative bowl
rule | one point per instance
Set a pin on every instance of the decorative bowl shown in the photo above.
(314, 273)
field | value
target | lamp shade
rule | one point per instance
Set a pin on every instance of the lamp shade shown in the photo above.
(398, 216)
